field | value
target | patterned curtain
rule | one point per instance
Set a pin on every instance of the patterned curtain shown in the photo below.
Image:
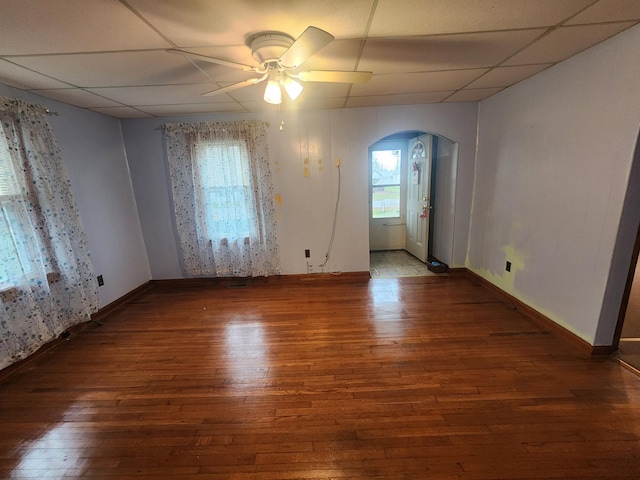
(223, 198)
(46, 277)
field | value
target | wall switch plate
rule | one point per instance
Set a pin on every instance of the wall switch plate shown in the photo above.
(307, 253)
(100, 281)
(508, 267)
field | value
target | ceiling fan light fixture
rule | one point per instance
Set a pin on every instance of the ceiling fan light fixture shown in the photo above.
(293, 88)
(272, 93)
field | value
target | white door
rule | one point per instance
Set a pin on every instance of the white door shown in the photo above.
(418, 198)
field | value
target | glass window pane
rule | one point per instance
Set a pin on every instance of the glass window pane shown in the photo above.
(385, 181)
(227, 194)
(385, 167)
(386, 202)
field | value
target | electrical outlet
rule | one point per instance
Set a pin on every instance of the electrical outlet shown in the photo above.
(100, 281)
(508, 266)
(307, 253)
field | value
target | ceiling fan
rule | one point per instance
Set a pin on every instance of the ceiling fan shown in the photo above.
(279, 56)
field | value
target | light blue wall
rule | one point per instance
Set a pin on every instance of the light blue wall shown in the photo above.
(310, 142)
(553, 166)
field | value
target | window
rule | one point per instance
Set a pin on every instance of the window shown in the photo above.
(223, 199)
(17, 255)
(46, 276)
(224, 171)
(385, 183)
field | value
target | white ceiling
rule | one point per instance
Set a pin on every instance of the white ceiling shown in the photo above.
(109, 55)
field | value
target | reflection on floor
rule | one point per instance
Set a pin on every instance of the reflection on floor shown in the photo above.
(397, 263)
(629, 352)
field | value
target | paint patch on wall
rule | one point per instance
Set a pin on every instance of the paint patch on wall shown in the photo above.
(278, 199)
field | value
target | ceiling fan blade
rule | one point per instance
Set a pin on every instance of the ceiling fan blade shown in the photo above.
(334, 76)
(311, 40)
(235, 86)
(219, 61)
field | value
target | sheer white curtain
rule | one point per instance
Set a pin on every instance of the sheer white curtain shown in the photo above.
(223, 198)
(46, 277)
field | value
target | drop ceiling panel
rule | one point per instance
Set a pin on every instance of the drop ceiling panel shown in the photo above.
(609, 11)
(39, 26)
(443, 52)
(235, 53)
(312, 103)
(420, 51)
(202, 23)
(417, 17)
(404, 99)
(506, 76)
(398, 83)
(192, 109)
(472, 95)
(255, 93)
(78, 97)
(122, 112)
(20, 77)
(160, 94)
(565, 42)
(259, 106)
(118, 69)
(338, 55)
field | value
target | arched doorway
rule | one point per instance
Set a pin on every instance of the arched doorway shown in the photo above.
(412, 183)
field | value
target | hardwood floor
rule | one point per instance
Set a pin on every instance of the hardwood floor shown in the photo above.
(390, 378)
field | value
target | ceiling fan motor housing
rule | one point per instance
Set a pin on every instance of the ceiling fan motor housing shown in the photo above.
(269, 47)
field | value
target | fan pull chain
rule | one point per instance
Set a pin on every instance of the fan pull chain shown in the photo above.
(281, 119)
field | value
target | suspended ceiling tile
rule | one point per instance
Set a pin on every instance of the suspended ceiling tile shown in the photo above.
(78, 97)
(258, 106)
(20, 77)
(338, 55)
(192, 109)
(565, 42)
(202, 23)
(404, 99)
(608, 11)
(117, 69)
(506, 76)
(417, 17)
(240, 54)
(252, 93)
(160, 94)
(313, 103)
(324, 90)
(472, 95)
(398, 83)
(38, 27)
(255, 93)
(121, 112)
(443, 52)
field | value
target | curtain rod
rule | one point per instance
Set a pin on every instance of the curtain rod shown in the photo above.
(49, 112)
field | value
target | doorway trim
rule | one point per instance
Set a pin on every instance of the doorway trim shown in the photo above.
(623, 264)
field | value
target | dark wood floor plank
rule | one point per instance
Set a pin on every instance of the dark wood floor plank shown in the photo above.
(424, 377)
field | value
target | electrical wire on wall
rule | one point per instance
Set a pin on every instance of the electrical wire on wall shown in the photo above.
(335, 220)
